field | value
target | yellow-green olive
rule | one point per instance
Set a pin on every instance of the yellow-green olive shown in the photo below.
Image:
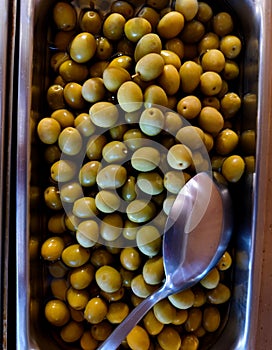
(111, 176)
(189, 107)
(113, 26)
(102, 330)
(48, 130)
(91, 22)
(190, 73)
(211, 318)
(194, 319)
(108, 279)
(134, 139)
(210, 83)
(140, 211)
(136, 27)
(150, 183)
(73, 71)
(130, 258)
(226, 141)
(211, 280)
(111, 227)
(59, 288)
(233, 168)
(151, 121)
(192, 32)
(107, 201)
(204, 12)
(117, 312)
(231, 46)
(188, 8)
(128, 190)
(83, 47)
(87, 341)
(55, 96)
(150, 66)
(72, 331)
(209, 41)
(138, 338)
(85, 207)
(222, 23)
(169, 79)
(225, 262)
(87, 233)
(123, 7)
(52, 198)
(170, 25)
(95, 146)
(213, 60)
(64, 16)
(183, 300)
(149, 240)
(73, 95)
(52, 248)
(84, 125)
(164, 311)
(211, 120)
(140, 288)
(104, 114)
(56, 223)
(230, 104)
(219, 295)
(155, 95)
(114, 77)
(57, 313)
(148, 43)
(189, 342)
(81, 277)
(145, 159)
(96, 310)
(153, 270)
(70, 192)
(75, 255)
(88, 172)
(70, 141)
(169, 338)
(77, 299)
(179, 157)
(63, 170)
(93, 90)
(130, 96)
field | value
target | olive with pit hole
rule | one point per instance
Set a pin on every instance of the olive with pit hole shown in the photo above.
(179, 157)
(231, 46)
(189, 107)
(55, 96)
(151, 121)
(210, 83)
(91, 22)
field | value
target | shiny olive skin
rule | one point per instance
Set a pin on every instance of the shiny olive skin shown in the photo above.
(55, 96)
(155, 95)
(93, 90)
(115, 151)
(111, 176)
(96, 310)
(233, 168)
(170, 25)
(52, 248)
(150, 66)
(91, 22)
(63, 170)
(70, 141)
(188, 8)
(113, 26)
(108, 279)
(75, 255)
(84, 125)
(64, 16)
(95, 146)
(88, 172)
(190, 73)
(103, 114)
(151, 120)
(138, 338)
(73, 71)
(48, 130)
(136, 27)
(145, 159)
(57, 313)
(152, 325)
(140, 288)
(83, 47)
(169, 338)
(150, 42)
(52, 198)
(82, 276)
(72, 93)
(114, 77)
(130, 258)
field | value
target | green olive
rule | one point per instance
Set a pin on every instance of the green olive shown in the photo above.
(56, 223)
(211, 318)
(233, 168)
(183, 300)
(188, 8)
(123, 7)
(151, 121)
(150, 66)
(96, 310)
(226, 141)
(130, 230)
(93, 90)
(145, 159)
(75, 255)
(172, 122)
(179, 157)
(107, 201)
(204, 13)
(133, 139)
(76, 298)
(115, 151)
(104, 114)
(108, 279)
(88, 342)
(230, 104)
(117, 312)
(95, 146)
(130, 258)
(52, 248)
(174, 180)
(111, 176)
(190, 73)
(104, 48)
(88, 172)
(138, 338)
(140, 211)
(70, 192)
(56, 312)
(130, 96)
(209, 41)
(222, 23)
(169, 338)
(169, 79)
(111, 227)
(117, 132)
(83, 47)
(72, 331)
(170, 25)
(211, 280)
(190, 342)
(149, 240)
(113, 26)
(81, 277)
(72, 71)
(136, 27)
(91, 22)
(189, 107)
(175, 45)
(151, 324)
(155, 95)
(87, 233)
(230, 45)
(123, 61)
(192, 32)
(150, 42)
(64, 16)
(84, 125)
(128, 189)
(211, 120)
(194, 319)
(59, 288)
(64, 117)
(210, 83)
(225, 262)
(219, 295)
(70, 141)
(153, 270)
(231, 70)
(85, 208)
(150, 14)
(164, 311)
(52, 198)
(150, 183)
(73, 95)
(140, 288)
(48, 130)
(57, 59)
(55, 96)
(213, 60)
(114, 77)
(170, 57)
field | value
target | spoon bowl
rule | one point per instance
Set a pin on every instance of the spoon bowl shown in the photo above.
(196, 235)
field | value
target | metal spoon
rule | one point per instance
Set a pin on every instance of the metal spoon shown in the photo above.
(197, 233)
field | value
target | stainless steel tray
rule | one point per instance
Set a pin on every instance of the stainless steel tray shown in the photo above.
(240, 326)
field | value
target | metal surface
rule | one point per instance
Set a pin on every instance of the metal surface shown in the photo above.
(240, 329)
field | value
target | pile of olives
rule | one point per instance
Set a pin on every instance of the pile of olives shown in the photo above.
(143, 95)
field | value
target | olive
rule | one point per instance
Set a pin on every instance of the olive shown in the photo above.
(192, 32)
(73, 95)
(93, 90)
(77, 299)
(95, 146)
(190, 73)
(62, 39)
(81, 277)
(64, 16)
(130, 96)
(140, 288)
(115, 151)
(233, 168)
(150, 183)
(117, 312)
(179, 157)
(194, 319)
(64, 117)
(170, 25)
(222, 23)
(107, 201)
(172, 122)
(149, 43)
(55, 96)
(52, 198)
(114, 77)
(72, 71)
(85, 208)
(138, 338)
(231, 70)
(211, 120)
(70, 141)
(213, 60)
(133, 139)
(87, 341)
(111, 176)
(145, 159)
(117, 132)
(59, 288)
(183, 300)
(169, 338)
(148, 240)
(151, 121)
(153, 270)
(209, 41)
(211, 101)
(57, 59)
(114, 296)
(111, 227)
(100, 257)
(174, 180)
(211, 318)
(200, 296)
(125, 47)
(204, 13)
(87, 233)
(137, 27)
(226, 141)
(113, 26)
(104, 114)
(72, 331)
(70, 192)
(75, 255)
(189, 342)
(104, 48)
(101, 331)
(88, 172)
(130, 230)
(96, 310)
(122, 7)
(219, 295)
(169, 79)
(157, 4)
(210, 83)
(83, 47)
(189, 107)
(180, 318)
(52, 153)
(225, 262)
(57, 269)
(211, 280)
(108, 279)
(56, 312)
(56, 223)
(48, 130)
(130, 258)
(97, 68)
(170, 57)
(52, 248)
(91, 22)
(84, 125)
(140, 211)
(128, 189)
(230, 104)
(155, 95)
(164, 311)
(188, 8)
(123, 61)
(150, 66)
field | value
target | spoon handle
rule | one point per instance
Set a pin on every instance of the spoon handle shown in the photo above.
(121, 331)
